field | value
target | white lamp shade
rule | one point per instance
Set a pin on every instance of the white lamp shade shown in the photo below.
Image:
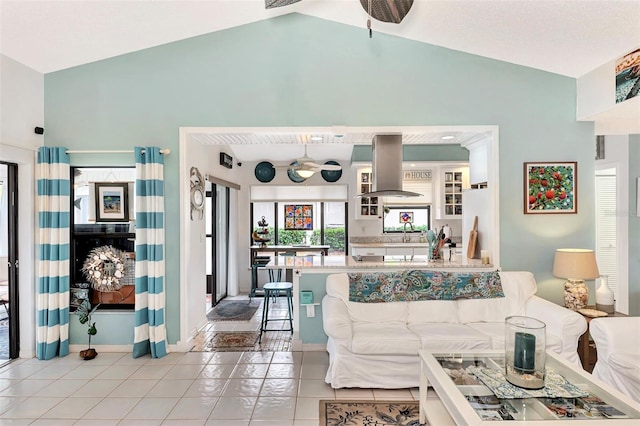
(579, 264)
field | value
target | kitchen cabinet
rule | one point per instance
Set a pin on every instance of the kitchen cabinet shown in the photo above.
(366, 207)
(368, 251)
(453, 181)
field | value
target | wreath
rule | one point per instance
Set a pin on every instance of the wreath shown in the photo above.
(104, 268)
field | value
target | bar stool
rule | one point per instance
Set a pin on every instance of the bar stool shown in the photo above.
(271, 291)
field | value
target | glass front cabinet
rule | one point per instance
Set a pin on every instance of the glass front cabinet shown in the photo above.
(366, 207)
(453, 181)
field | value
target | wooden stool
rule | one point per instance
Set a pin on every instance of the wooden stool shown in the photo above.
(271, 291)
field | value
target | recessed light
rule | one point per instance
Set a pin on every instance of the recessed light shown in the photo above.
(316, 138)
(448, 137)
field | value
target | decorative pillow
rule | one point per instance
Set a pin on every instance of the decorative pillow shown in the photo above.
(411, 285)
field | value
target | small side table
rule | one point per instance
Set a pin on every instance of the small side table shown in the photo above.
(586, 348)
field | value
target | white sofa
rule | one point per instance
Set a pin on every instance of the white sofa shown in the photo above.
(618, 349)
(375, 345)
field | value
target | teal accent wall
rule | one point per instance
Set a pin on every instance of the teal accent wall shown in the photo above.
(296, 70)
(634, 226)
(311, 329)
(417, 153)
(114, 328)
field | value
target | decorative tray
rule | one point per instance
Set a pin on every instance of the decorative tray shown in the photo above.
(592, 313)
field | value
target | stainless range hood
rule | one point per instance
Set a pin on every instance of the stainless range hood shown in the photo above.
(387, 168)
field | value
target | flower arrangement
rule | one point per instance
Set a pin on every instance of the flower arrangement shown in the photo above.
(104, 268)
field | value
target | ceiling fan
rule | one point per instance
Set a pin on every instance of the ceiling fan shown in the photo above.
(306, 166)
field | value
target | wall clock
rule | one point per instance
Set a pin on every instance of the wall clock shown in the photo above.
(197, 194)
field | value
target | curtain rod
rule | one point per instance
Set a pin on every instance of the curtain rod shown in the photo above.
(164, 151)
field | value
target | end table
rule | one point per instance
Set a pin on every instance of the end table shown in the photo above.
(586, 348)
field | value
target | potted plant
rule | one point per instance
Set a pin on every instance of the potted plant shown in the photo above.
(84, 312)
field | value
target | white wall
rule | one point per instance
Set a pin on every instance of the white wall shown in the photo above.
(596, 102)
(193, 248)
(617, 155)
(22, 109)
(21, 104)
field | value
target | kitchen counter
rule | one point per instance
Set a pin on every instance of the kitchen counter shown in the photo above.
(374, 262)
(410, 244)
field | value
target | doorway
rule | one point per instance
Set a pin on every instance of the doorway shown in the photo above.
(9, 330)
(607, 250)
(217, 209)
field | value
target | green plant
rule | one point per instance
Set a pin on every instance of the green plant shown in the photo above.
(287, 238)
(84, 312)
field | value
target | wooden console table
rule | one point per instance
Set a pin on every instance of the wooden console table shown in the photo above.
(586, 348)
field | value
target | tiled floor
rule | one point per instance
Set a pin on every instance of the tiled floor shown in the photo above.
(257, 388)
(277, 341)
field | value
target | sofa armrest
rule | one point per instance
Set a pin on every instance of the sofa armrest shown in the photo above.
(619, 335)
(560, 321)
(335, 318)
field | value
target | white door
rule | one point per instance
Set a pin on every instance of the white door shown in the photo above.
(606, 226)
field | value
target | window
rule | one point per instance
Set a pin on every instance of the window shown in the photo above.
(406, 218)
(329, 224)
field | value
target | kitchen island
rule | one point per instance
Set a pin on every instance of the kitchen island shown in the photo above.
(309, 273)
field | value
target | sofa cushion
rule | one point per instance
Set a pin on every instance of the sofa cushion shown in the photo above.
(518, 287)
(390, 312)
(446, 337)
(384, 339)
(429, 311)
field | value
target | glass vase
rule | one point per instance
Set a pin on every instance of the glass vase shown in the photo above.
(525, 352)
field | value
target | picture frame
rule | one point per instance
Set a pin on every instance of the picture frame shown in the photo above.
(298, 217)
(550, 187)
(112, 202)
(405, 217)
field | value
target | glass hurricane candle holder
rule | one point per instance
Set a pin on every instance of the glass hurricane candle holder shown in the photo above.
(525, 352)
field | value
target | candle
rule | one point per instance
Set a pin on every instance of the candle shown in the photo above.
(524, 359)
(484, 255)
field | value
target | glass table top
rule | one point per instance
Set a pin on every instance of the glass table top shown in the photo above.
(460, 379)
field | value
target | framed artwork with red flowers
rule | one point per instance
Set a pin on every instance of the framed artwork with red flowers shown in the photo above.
(551, 187)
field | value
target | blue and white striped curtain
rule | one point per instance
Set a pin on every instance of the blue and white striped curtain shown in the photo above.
(150, 334)
(54, 190)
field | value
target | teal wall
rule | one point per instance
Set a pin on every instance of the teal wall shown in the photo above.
(297, 70)
(634, 226)
(311, 330)
(417, 153)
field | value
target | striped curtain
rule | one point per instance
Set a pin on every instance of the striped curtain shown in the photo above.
(150, 332)
(53, 198)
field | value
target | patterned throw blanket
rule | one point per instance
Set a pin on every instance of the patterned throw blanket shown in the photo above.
(410, 285)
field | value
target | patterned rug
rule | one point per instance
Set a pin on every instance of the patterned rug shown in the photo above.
(233, 310)
(369, 413)
(234, 341)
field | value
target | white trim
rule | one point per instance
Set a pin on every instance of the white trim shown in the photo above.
(25, 158)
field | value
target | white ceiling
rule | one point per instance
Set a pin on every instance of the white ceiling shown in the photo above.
(569, 37)
(324, 143)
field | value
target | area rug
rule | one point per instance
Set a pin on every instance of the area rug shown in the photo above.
(4, 340)
(233, 310)
(369, 413)
(235, 341)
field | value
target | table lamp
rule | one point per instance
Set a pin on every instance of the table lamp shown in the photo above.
(576, 265)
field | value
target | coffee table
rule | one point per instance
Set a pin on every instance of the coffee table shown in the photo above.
(451, 404)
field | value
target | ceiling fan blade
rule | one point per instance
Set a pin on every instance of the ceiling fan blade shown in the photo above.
(330, 167)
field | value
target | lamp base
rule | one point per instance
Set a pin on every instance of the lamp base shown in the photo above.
(576, 294)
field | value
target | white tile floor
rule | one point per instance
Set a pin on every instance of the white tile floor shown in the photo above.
(194, 388)
(261, 388)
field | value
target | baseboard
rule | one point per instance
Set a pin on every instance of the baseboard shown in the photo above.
(314, 347)
(102, 348)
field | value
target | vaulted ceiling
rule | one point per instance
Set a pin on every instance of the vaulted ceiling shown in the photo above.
(568, 37)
